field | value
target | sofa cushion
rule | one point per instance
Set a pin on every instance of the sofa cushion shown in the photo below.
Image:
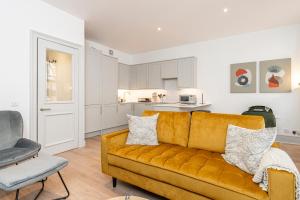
(142, 130)
(246, 147)
(172, 127)
(196, 170)
(209, 130)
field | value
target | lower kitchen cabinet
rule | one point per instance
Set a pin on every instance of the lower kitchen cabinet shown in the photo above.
(101, 117)
(115, 115)
(139, 108)
(123, 110)
(109, 116)
(92, 118)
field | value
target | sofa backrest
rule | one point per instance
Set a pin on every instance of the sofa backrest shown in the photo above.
(172, 127)
(208, 130)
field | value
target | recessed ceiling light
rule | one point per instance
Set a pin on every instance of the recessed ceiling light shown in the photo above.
(225, 10)
(158, 28)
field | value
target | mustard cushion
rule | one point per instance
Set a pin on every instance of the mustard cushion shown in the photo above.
(196, 170)
(209, 130)
(172, 127)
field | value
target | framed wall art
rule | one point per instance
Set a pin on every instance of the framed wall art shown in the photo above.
(243, 77)
(275, 76)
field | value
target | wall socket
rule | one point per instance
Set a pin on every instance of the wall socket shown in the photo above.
(295, 132)
(291, 131)
(14, 104)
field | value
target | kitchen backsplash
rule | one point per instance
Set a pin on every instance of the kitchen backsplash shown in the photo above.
(172, 95)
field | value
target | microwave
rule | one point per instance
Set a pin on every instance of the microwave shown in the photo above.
(188, 99)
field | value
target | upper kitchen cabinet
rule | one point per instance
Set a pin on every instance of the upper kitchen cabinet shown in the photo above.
(187, 73)
(109, 80)
(169, 69)
(92, 76)
(154, 76)
(123, 76)
(142, 76)
(133, 77)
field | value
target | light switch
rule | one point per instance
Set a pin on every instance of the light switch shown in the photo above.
(14, 104)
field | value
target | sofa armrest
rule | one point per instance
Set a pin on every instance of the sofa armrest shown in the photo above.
(276, 145)
(281, 185)
(109, 141)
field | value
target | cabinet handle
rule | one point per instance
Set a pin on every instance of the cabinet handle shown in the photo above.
(45, 109)
(101, 110)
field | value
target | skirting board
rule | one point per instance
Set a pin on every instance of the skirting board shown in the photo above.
(289, 139)
(104, 131)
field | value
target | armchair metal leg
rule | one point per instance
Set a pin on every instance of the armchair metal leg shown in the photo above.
(66, 188)
(41, 190)
(114, 181)
(17, 194)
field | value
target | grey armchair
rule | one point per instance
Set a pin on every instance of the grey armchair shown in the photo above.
(13, 147)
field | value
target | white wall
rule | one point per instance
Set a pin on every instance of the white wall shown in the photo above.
(122, 57)
(215, 57)
(17, 19)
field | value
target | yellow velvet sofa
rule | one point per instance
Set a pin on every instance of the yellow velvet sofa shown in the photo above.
(187, 164)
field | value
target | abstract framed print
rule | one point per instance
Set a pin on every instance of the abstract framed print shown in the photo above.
(275, 76)
(243, 77)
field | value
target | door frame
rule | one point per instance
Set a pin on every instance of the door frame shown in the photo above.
(33, 113)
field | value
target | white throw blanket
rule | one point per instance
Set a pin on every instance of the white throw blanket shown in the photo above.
(276, 159)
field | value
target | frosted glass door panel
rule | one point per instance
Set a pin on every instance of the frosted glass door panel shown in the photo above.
(59, 76)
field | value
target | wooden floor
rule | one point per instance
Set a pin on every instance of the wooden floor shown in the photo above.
(86, 182)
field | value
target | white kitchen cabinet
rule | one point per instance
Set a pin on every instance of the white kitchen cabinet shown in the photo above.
(169, 69)
(92, 76)
(142, 76)
(109, 116)
(139, 108)
(133, 77)
(92, 118)
(109, 80)
(123, 76)
(154, 76)
(187, 73)
(93, 87)
(123, 110)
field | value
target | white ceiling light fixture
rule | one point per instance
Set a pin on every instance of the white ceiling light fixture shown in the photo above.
(158, 29)
(225, 10)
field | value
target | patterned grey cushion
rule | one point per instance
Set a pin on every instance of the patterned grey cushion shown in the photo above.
(142, 130)
(245, 147)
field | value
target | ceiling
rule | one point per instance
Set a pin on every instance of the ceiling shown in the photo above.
(131, 25)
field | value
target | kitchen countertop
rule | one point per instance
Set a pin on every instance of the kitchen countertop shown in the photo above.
(180, 105)
(177, 107)
(150, 103)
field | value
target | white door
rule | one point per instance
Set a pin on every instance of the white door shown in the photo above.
(57, 96)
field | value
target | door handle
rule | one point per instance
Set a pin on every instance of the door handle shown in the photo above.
(45, 109)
